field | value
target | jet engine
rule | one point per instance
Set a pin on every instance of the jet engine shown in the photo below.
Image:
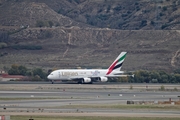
(86, 80)
(103, 79)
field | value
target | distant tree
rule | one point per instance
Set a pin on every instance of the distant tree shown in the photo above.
(36, 78)
(22, 70)
(154, 76)
(139, 77)
(172, 79)
(164, 79)
(177, 71)
(39, 72)
(13, 70)
(17, 70)
(35, 74)
(49, 71)
(142, 76)
(177, 77)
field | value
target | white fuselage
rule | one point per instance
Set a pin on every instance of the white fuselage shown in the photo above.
(69, 74)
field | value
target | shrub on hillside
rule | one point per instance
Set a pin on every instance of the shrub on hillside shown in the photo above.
(4, 37)
(41, 23)
(2, 45)
(3, 54)
(27, 47)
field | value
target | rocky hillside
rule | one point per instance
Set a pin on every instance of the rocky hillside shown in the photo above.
(32, 14)
(122, 14)
(89, 34)
(114, 14)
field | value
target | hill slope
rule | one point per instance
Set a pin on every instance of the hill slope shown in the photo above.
(74, 47)
(33, 14)
(123, 14)
(56, 38)
(114, 14)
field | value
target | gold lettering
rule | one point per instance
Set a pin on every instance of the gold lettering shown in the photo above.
(69, 73)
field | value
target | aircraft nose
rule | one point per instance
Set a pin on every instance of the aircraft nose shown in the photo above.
(49, 76)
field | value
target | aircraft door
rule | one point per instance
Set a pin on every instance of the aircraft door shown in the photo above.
(59, 73)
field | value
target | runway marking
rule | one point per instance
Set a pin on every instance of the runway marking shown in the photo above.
(26, 92)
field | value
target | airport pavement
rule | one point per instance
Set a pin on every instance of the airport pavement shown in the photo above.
(34, 98)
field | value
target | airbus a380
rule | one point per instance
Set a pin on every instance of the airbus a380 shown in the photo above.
(90, 75)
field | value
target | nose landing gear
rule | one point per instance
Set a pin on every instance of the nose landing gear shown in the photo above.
(52, 82)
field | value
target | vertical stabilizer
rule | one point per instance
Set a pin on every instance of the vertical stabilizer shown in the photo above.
(117, 64)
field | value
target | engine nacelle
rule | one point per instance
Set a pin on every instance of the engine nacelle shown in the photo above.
(86, 80)
(103, 79)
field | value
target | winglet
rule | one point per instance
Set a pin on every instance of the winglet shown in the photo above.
(117, 64)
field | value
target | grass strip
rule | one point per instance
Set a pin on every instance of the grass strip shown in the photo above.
(86, 118)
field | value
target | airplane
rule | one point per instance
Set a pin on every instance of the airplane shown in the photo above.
(90, 75)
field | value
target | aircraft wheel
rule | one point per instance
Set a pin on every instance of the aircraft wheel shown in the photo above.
(52, 82)
(82, 81)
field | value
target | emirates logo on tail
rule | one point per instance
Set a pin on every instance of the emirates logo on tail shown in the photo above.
(117, 64)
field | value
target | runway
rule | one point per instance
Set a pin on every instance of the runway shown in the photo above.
(71, 98)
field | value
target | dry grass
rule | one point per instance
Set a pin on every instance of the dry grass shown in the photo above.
(85, 118)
